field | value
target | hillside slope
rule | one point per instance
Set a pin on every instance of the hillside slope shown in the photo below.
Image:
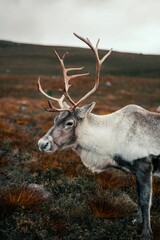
(35, 60)
(54, 196)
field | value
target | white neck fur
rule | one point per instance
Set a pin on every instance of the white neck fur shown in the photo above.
(93, 135)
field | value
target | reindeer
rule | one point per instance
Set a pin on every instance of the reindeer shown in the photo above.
(128, 139)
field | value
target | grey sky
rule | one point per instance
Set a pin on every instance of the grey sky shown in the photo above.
(124, 25)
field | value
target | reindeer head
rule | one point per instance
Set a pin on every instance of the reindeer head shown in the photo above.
(64, 132)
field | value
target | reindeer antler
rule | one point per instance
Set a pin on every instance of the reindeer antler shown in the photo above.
(59, 100)
(98, 65)
(68, 78)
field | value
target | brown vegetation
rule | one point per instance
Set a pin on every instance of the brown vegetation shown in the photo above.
(82, 205)
(112, 204)
(30, 197)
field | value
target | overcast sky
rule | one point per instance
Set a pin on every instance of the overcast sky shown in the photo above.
(124, 25)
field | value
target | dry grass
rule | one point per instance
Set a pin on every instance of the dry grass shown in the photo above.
(66, 160)
(111, 204)
(80, 199)
(84, 205)
(114, 178)
(57, 222)
(30, 197)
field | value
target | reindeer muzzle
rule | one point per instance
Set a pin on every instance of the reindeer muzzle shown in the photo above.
(45, 144)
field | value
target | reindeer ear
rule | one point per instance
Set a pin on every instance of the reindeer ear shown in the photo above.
(83, 111)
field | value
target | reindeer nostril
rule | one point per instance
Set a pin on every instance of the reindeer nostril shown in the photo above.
(45, 145)
(42, 145)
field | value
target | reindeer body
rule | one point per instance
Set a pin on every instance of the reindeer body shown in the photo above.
(128, 133)
(128, 139)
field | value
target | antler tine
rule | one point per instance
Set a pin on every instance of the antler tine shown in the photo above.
(59, 100)
(68, 78)
(54, 109)
(98, 64)
(94, 49)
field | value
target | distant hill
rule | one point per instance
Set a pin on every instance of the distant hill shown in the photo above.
(37, 60)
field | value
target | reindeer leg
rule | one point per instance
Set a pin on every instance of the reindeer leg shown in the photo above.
(138, 219)
(144, 189)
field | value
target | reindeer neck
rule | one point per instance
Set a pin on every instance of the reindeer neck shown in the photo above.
(92, 134)
(92, 129)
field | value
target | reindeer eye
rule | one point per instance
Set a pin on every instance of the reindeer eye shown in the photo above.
(69, 124)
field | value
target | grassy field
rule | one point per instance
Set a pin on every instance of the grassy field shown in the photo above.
(46, 197)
